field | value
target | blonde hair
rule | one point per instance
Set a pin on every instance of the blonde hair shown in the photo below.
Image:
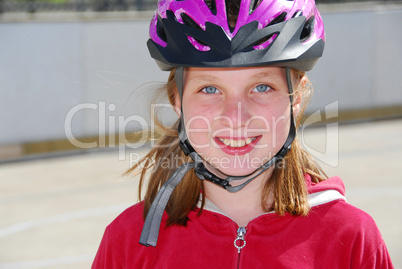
(286, 184)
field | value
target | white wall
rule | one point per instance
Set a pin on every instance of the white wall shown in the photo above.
(362, 63)
(48, 68)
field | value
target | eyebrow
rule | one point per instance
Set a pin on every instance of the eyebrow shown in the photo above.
(263, 75)
(206, 78)
(203, 78)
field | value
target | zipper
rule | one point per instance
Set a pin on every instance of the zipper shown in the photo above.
(241, 232)
(239, 243)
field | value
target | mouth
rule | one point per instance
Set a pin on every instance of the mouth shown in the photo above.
(237, 145)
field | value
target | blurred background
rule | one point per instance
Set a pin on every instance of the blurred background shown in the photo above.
(76, 81)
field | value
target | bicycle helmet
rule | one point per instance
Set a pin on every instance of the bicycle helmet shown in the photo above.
(208, 33)
(198, 33)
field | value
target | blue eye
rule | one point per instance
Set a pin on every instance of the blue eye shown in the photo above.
(261, 88)
(210, 90)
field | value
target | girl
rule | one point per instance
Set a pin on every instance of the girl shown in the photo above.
(230, 186)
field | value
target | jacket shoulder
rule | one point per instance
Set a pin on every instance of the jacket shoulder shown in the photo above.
(343, 216)
(120, 236)
(129, 217)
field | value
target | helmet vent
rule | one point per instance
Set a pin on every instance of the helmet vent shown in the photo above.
(198, 44)
(189, 21)
(265, 42)
(280, 18)
(170, 15)
(160, 31)
(232, 11)
(211, 5)
(297, 14)
(308, 29)
(262, 40)
(253, 5)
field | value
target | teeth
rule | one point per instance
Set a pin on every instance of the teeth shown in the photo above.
(236, 143)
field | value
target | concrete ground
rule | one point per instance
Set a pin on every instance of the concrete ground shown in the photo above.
(53, 211)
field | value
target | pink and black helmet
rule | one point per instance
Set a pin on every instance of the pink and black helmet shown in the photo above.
(287, 33)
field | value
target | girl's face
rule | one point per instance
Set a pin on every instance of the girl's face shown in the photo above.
(236, 118)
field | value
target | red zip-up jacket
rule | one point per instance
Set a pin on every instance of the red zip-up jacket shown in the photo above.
(333, 235)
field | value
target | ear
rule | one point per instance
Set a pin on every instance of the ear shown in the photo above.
(298, 96)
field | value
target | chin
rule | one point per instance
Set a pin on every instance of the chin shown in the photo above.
(240, 173)
(233, 169)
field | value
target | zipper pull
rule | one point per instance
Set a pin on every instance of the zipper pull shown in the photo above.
(241, 232)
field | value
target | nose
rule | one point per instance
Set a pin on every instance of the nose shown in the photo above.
(235, 112)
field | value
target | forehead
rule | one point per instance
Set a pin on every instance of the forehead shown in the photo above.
(199, 74)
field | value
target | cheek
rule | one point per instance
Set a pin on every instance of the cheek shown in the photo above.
(198, 121)
(280, 124)
(271, 112)
(273, 121)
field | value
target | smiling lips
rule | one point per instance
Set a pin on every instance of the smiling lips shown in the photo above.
(237, 143)
(237, 146)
